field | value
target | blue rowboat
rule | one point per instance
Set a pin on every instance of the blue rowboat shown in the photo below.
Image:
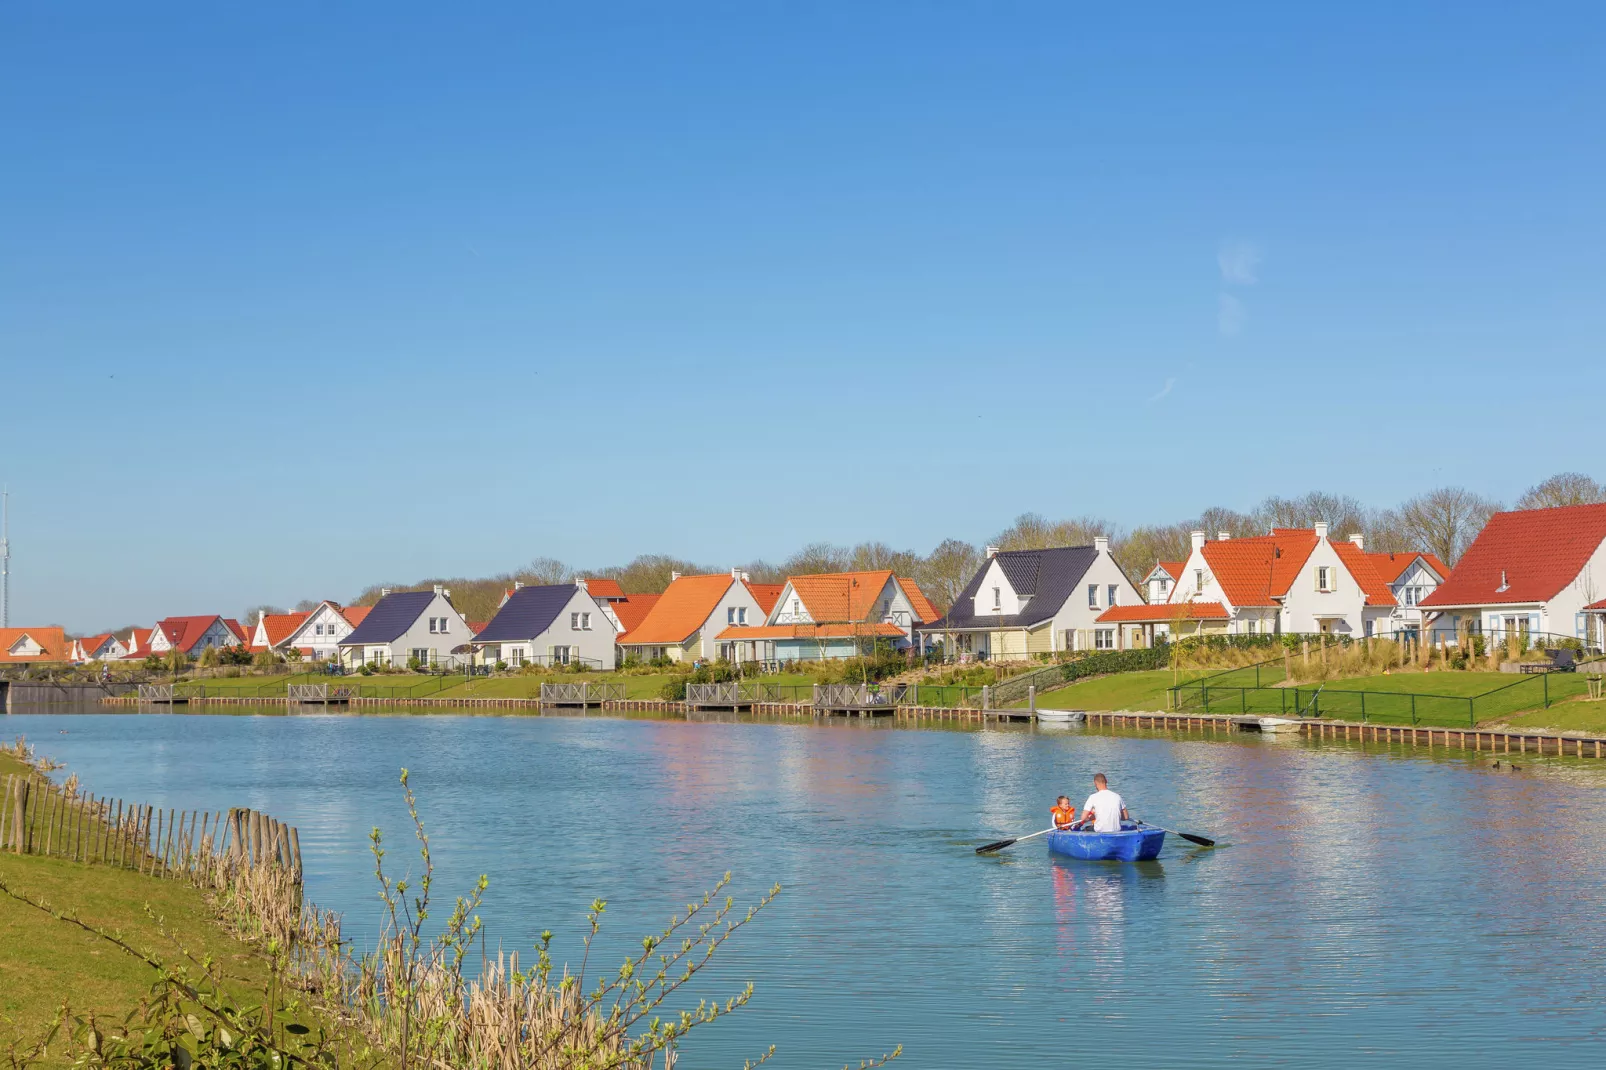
(1134, 843)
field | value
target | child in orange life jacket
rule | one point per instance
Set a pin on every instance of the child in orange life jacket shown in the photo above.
(1063, 812)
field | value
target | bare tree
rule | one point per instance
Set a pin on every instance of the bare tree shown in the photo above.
(818, 557)
(1445, 521)
(1141, 549)
(545, 571)
(1033, 531)
(1566, 488)
(1386, 533)
(1218, 519)
(307, 605)
(651, 573)
(946, 570)
(874, 556)
(1342, 513)
(760, 571)
(251, 612)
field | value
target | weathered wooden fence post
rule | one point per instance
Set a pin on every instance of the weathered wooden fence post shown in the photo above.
(20, 789)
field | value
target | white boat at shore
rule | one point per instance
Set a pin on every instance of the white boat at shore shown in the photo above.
(1061, 716)
(1277, 724)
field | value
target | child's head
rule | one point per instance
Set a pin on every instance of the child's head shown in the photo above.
(1063, 799)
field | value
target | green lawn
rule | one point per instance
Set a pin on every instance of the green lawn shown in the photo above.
(1120, 691)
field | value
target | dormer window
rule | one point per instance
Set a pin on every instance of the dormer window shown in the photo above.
(1162, 584)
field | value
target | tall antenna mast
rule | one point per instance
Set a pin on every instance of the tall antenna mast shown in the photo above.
(5, 558)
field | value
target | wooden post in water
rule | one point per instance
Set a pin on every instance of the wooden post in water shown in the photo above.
(295, 846)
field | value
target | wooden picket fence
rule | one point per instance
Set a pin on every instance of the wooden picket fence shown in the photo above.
(40, 817)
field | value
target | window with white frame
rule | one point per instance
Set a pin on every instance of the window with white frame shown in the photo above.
(561, 654)
(317, 629)
(1111, 594)
(998, 599)
(1162, 581)
(1324, 578)
(517, 657)
(741, 614)
(1092, 595)
(1198, 580)
(730, 614)
(585, 622)
(574, 623)
(1251, 625)
(1103, 638)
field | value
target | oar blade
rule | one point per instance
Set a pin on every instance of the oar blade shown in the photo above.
(1202, 841)
(989, 848)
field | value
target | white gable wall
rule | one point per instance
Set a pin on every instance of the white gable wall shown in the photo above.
(1305, 607)
(1077, 617)
(737, 596)
(321, 632)
(1008, 602)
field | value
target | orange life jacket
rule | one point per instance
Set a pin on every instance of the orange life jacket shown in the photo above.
(1064, 816)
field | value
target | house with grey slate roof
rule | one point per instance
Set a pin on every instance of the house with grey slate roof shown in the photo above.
(1022, 603)
(407, 625)
(551, 624)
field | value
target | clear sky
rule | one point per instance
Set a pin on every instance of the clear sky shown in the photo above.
(297, 298)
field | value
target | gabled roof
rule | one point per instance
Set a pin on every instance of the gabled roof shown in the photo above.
(281, 626)
(1359, 563)
(1392, 566)
(840, 596)
(528, 613)
(1161, 612)
(765, 594)
(1049, 576)
(1170, 568)
(1528, 555)
(52, 644)
(390, 617)
(633, 610)
(925, 612)
(91, 644)
(1257, 571)
(839, 630)
(682, 609)
(139, 643)
(354, 615)
(185, 632)
(604, 588)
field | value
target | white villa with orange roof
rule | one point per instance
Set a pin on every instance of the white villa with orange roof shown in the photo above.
(104, 647)
(684, 620)
(1291, 580)
(831, 615)
(316, 634)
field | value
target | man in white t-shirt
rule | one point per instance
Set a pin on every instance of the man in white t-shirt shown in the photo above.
(1104, 807)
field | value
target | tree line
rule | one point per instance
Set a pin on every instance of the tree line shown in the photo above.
(1442, 521)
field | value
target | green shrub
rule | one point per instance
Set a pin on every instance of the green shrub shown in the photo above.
(1157, 656)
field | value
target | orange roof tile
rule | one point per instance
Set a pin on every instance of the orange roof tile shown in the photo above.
(1392, 566)
(925, 612)
(842, 630)
(1365, 574)
(766, 595)
(633, 610)
(1255, 571)
(1530, 555)
(1173, 568)
(354, 614)
(604, 588)
(279, 626)
(52, 644)
(681, 610)
(1160, 612)
(91, 643)
(840, 596)
(139, 643)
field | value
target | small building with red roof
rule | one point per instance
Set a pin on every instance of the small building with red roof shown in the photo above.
(33, 646)
(103, 647)
(317, 634)
(195, 635)
(138, 643)
(1530, 572)
(1161, 578)
(1289, 580)
(829, 615)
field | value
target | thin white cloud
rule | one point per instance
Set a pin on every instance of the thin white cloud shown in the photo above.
(1230, 315)
(1238, 261)
(1164, 390)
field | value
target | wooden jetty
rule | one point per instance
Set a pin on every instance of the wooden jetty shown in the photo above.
(318, 695)
(582, 695)
(161, 694)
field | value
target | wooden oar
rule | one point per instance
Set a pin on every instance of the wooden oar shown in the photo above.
(1202, 841)
(989, 848)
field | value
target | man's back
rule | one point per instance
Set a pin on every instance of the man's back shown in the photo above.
(1105, 807)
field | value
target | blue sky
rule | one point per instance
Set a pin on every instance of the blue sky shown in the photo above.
(294, 299)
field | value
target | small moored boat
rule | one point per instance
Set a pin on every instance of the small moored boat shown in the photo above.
(1134, 843)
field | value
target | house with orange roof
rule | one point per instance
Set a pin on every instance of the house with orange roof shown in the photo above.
(830, 615)
(271, 629)
(1530, 572)
(104, 647)
(1161, 578)
(1294, 580)
(1412, 576)
(1025, 603)
(138, 644)
(686, 619)
(33, 646)
(317, 634)
(195, 635)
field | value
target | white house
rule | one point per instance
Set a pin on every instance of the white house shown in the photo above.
(556, 624)
(1531, 572)
(316, 634)
(194, 635)
(829, 615)
(686, 619)
(1161, 578)
(1291, 580)
(105, 647)
(1021, 603)
(409, 626)
(1411, 577)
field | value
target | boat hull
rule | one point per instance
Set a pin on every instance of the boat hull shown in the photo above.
(1131, 844)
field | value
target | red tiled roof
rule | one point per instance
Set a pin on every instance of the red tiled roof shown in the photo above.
(633, 610)
(279, 626)
(925, 612)
(1529, 555)
(603, 588)
(1256, 571)
(89, 644)
(1392, 566)
(1171, 568)
(681, 610)
(1161, 612)
(354, 614)
(840, 596)
(766, 595)
(843, 630)
(52, 644)
(475, 627)
(1361, 569)
(1601, 605)
(139, 643)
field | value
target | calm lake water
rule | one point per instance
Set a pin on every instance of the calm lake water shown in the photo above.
(1372, 906)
